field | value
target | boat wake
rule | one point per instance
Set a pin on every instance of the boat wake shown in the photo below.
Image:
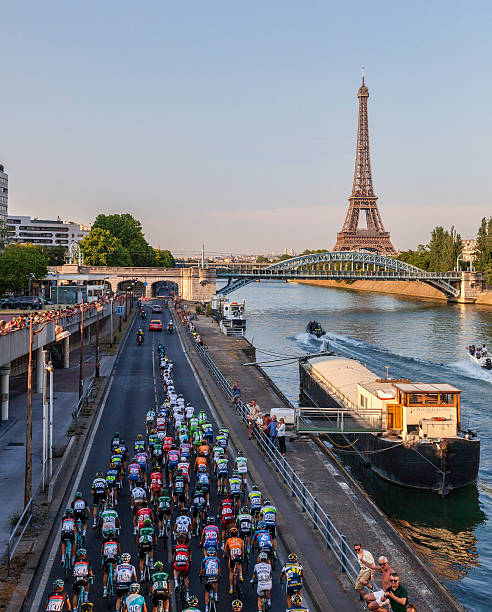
(471, 370)
(311, 344)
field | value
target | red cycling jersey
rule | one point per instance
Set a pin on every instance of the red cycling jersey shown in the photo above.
(142, 514)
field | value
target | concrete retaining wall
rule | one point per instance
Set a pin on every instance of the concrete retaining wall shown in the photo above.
(485, 298)
(409, 288)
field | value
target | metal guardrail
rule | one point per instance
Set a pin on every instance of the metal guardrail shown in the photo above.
(321, 521)
(83, 401)
(11, 549)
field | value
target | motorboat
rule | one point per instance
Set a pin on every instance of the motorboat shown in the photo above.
(313, 327)
(480, 356)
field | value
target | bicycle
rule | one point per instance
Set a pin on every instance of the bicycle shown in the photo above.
(180, 591)
(110, 588)
(79, 538)
(236, 583)
(67, 564)
(80, 600)
(100, 510)
(146, 573)
(212, 606)
(264, 598)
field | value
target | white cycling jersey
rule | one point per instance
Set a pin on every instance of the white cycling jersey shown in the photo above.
(264, 574)
(190, 411)
(124, 573)
(183, 524)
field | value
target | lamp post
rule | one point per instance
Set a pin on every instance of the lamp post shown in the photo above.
(97, 341)
(50, 424)
(111, 323)
(81, 361)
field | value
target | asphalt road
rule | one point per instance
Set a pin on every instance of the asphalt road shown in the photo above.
(136, 388)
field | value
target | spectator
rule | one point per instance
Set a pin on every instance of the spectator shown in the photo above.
(364, 576)
(281, 436)
(260, 421)
(236, 389)
(411, 608)
(397, 594)
(374, 600)
(266, 422)
(272, 430)
(252, 417)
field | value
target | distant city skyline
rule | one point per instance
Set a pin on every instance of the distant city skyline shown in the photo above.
(235, 125)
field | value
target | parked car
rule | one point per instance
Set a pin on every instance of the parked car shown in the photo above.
(22, 302)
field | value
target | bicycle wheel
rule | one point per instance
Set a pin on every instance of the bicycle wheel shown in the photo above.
(68, 560)
(109, 588)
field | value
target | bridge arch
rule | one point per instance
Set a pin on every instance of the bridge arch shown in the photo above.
(134, 285)
(162, 287)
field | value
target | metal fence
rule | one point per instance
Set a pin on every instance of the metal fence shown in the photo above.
(83, 401)
(13, 541)
(321, 521)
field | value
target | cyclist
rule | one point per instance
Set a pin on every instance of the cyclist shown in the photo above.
(255, 501)
(69, 530)
(115, 441)
(192, 604)
(179, 489)
(80, 511)
(262, 573)
(221, 440)
(210, 570)
(109, 520)
(172, 460)
(58, 599)
(138, 496)
(157, 452)
(110, 554)
(140, 335)
(297, 603)
(189, 411)
(124, 575)
(112, 480)
(146, 543)
(181, 559)
(202, 417)
(141, 514)
(182, 526)
(210, 536)
(134, 473)
(203, 479)
(160, 589)
(99, 492)
(155, 484)
(223, 431)
(234, 488)
(234, 550)
(142, 458)
(164, 512)
(268, 514)
(292, 574)
(241, 466)
(221, 468)
(82, 574)
(244, 522)
(135, 602)
(208, 432)
(237, 605)
(193, 425)
(263, 538)
(226, 513)
(199, 505)
(149, 420)
(201, 459)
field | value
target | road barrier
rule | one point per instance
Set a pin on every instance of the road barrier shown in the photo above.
(12, 548)
(321, 521)
(83, 401)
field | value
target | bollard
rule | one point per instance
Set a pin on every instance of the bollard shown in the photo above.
(328, 532)
(344, 554)
(293, 483)
(315, 513)
(303, 497)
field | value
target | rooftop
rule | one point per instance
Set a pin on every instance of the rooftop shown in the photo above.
(426, 388)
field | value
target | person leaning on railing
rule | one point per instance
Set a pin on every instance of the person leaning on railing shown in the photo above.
(253, 414)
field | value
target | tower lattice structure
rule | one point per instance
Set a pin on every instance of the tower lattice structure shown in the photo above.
(374, 237)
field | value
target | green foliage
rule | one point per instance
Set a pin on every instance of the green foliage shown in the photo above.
(164, 258)
(444, 249)
(262, 259)
(419, 258)
(54, 254)
(101, 248)
(20, 263)
(483, 252)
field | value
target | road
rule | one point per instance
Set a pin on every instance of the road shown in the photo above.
(136, 388)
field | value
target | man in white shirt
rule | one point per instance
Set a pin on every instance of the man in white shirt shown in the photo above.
(364, 577)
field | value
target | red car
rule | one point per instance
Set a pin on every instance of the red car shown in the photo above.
(156, 308)
(155, 325)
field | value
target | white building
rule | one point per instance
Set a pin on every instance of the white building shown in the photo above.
(4, 194)
(46, 232)
(469, 248)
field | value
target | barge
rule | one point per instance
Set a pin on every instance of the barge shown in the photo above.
(408, 432)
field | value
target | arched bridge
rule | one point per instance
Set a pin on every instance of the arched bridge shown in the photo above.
(338, 265)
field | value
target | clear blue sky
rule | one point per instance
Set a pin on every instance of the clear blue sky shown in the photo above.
(234, 124)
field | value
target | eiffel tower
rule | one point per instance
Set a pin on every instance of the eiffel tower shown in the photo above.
(374, 237)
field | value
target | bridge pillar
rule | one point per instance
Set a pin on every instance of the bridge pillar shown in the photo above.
(148, 290)
(4, 390)
(66, 352)
(197, 284)
(39, 369)
(471, 286)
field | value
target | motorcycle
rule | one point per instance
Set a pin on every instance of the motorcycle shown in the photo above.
(140, 339)
(143, 315)
(170, 328)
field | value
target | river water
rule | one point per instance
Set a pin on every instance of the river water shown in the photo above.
(420, 340)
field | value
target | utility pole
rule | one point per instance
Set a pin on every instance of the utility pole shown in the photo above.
(50, 424)
(97, 340)
(111, 324)
(28, 467)
(44, 464)
(81, 362)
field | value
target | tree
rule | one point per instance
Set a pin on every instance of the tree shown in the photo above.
(444, 249)
(129, 231)
(19, 264)
(419, 258)
(262, 259)
(54, 254)
(100, 248)
(164, 259)
(483, 251)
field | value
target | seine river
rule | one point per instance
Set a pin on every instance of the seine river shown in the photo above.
(421, 340)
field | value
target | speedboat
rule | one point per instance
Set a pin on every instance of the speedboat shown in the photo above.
(313, 327)
(480, 356)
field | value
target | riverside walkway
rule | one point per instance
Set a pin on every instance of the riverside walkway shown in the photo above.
(343, 500)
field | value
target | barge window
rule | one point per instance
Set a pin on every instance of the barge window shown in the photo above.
(415, 398)
(447, 398)
(432, 398)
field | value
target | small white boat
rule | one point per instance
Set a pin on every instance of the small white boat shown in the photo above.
(476, 356)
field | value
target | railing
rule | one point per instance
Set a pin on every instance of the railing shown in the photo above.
(338, 420)
(321, 521)
(12, 548)
(83, 401)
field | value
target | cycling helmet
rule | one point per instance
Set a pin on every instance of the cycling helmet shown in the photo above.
(233, 531)
(263, 556)
(126, 558)
(261, 525)
(152, 431)
(192, 601)
(292, 558)
(99, 475)
(87, 607)
(116, 435)
(235, 474)
(110, 533)
(255, 487)
(266, 500)
(244, 510)
(58, 584)
(183, 512)
(78, 495)
(109, 505)
(112, 466)
(147, 522)
(81, 552)
(239, 453)
(139, 437)
(237, 605)
(202, 468)
(144, 503)
(135, 587)
(181, 539)
(210, 520)
(297, 599)
(69, 512)
(158, 566)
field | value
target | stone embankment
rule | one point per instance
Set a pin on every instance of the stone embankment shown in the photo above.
(408, 288)
(485, 298)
